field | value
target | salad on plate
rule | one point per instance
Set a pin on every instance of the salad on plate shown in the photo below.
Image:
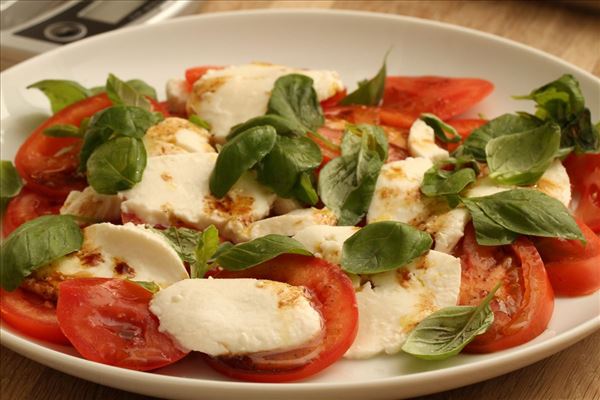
(265, 217)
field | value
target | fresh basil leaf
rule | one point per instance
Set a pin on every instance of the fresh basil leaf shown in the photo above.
(142, 88)
(581, 134)
(369, 92)
(223, 247)
(239, 155)
(294, 98)
(505, 124)
(35, 244)
(121, 93)
(10, 183)
(441, 129)
(97, 90)
(63, 130)
(280, 169)
(383, 246)
(558, 99)
(61, 93)
(257, 251)
(196, 120)
(304, 190)
(347, 183)
(116, 165)
(522, 158)
(208, 244)
(439, 182)
(183, 240)
(282, 125)
(446, 332)
(152, 287)
(520, 211)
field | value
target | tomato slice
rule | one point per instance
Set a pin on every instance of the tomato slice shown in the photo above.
(195, 73)
(584, 172)
(108, 321)
(405, 98)
(524, 302)
(333, 100)
(31, 314)
(26, 206)
(573, 267)
(464, 127)
(331, 288)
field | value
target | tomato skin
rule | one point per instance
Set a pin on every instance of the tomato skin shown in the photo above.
(194, 73)
(524, 303)
(331, 287)
(333, 100)
(584, 172)
(31, 314)
(108, 321)
(573, 268)
(26, 206)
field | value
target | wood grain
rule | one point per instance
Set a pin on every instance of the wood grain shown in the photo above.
(571, 33)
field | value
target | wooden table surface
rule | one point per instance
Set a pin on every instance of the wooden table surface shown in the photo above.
(569, 32)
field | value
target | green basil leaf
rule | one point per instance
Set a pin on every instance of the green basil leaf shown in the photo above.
(383, 246)
(35, 244)
(10, 183)
(63, 130)
(487, 231)
(294, 98)
(116, 165)
(121, 93)
(581, 134)
(304, 190)
(282, 125)
(183, 240)
(439, 182)
(522, 158)
(257, 251)
(446, 332)
(503, 125)
(61, 93)
(441, 129)
(208, 244)
(522, 211)
(558, 99)
(369, 92)
(152, 287)
(196, 120)
(239, 155)
(280, 169)
(142, 88)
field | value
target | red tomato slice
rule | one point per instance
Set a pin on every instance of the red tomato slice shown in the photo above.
(584, 172)
(573, 268)
(48, 164)
(108, 321)
(195, 73)
(333, 100)
(31, 315)
(26, 206)
(332, 288)
(524, 302)
(405, 98)
(464, 127)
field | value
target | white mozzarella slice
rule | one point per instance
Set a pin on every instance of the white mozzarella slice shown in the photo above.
(175, 191)
(447, 228)
(177, 95)
(555, 183)
(233, 95)
(394, 302)
(236, 316)
(421, 142)
(485, 186)
(121, 251)
(90, 204)
(326, 241)
(282, 205)
(177, 135)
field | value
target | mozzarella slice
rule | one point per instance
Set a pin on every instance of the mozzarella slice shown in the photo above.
(421, 142)
(121, 251)
(175, 191)
(282, 205)
(447, 228)
(177, 135)
(555, 183)
(325, 241)
(233, 95)
(392, 303)
(236, 316)
(485, 186)
(177, 95)
(90, 204)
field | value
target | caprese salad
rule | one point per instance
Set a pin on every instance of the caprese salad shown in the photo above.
(270, 220)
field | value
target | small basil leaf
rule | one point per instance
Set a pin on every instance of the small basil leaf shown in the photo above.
(282, 125)
(558, 99)
(10, 183)
(61, 93)
(183, 240)
(239, 155)
(152, 287)
(142, 88)
(35, 244)
(522, 158)
(487, 231)
(196, 120)
(446, 332)
(581, 134)
(383, 246)
(121, 93)
(63, 130)
(369, 92)
(257, 251)
(525, 212)
(441, 129)
(439, 182)
(304, 190)
(294, 98)
(208, 244)
(116, 165)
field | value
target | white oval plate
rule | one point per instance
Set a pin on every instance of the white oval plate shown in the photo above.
(353, 44)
